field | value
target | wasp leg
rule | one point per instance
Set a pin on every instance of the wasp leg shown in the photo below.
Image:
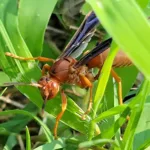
(43, 59)
(97, 75)
(59, 116)
(90, 104)
(86, 83)
(118, 79)
(46, 68)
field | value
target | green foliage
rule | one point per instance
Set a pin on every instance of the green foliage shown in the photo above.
(22, 29)
(120, 25)
(28, 140)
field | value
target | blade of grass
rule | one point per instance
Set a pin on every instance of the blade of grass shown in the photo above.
(111, 112)
(145, 146)
(142, 133)
(135, 116)
(102, 85)
(18, 122)
(3, 78)
(109, 133)
(45, 128)
(56, 144)
(143, 3)
(11, 41)
(97, 142)
(28, 139)
(2, 92)
(104, 78)
(128, 26)
(11, 142)
(31, 27)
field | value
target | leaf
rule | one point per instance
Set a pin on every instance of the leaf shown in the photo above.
(110, 112)
(57, 144)
(124, 21)
(50, 50)
(11, 142)
(28, 139)
(68, 9)
(135, 116)
(127, 79)
(3, 78)
(18, 122)
(45, 128)
(105, 72)
(110, 132)
(97, 142)
(11, 41)
(102, 82)
(142, 133)
(143, 3)
(111, 98)
(31, 27)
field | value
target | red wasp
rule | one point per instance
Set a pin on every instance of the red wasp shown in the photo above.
(68, 70)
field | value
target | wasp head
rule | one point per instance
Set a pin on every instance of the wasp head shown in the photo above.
(49, 87)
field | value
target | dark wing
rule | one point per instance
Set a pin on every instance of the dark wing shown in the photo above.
(82, 36)
(100, 47)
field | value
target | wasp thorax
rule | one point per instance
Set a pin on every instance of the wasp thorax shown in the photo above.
(49, 87)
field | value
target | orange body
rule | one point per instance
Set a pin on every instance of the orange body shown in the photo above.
(62, 71)
(121, 60)
(68, 70)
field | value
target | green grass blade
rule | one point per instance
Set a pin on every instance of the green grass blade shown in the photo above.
(28, 139)
(97, 142)
(111, 112)
(104, 78)
(102, 85)
(3, 91)
(11, 142)
(45, 128)
(129, 27)
(56, 144)
(109, 133)
(142, 133)
(11, 41)
(32, 28)
(144, 146)
(135, 116)
(126, 79)
(143, 3)
(18, 122)
(3, 78)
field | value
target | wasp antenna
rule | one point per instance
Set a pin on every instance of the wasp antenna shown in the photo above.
(43, 106)
(22, 84)
(35, 85)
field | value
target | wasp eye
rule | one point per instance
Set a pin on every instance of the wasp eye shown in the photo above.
(47, 79)
(43, 78)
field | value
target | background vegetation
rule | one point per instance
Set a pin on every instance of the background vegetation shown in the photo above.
(34, 28)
